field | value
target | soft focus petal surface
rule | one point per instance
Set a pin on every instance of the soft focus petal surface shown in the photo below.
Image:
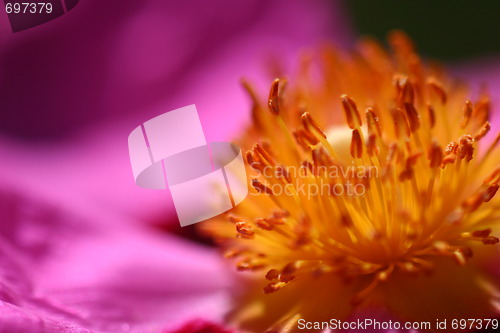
(62, 273)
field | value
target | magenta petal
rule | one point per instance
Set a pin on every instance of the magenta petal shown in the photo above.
(91, 174)
(200, 326)
(61, 273)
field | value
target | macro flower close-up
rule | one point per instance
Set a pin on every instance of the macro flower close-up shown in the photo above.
(368, 136)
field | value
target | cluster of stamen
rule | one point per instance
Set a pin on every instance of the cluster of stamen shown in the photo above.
(431, 183)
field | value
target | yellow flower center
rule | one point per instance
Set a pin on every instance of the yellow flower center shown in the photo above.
(357, 212)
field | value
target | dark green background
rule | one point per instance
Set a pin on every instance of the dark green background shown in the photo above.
(446, 30)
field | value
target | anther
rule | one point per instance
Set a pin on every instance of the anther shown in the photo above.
(244, 230)
(261, 188)
(356, 144)
(280, 214)
(256, 165)
(234, 219)
(250, 265)
(482, 110)
(473, 202)
(467, 114)
(273, 274)
(491, 240)
(490, 192)
(483, 131)
(437, 88)
(264, 224)
(407, 92)
(432, 115)
(466, 148)
(290, 268)
(305, 139)
(481, 233)
(413, 117)
(311, 126)
(231, 254)
(373, 123)
(273, 102)
(450, 154)
(273, 287)
(351, 112)
(435, 155)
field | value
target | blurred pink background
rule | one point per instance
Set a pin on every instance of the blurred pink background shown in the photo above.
(72, 89)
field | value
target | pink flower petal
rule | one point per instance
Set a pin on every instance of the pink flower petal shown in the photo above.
(67, 273)
(102, 69)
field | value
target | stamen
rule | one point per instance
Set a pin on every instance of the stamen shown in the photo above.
(401, 43)
(311, 126)
(459, 257)
(264, 224)
(482, 233)
(408, 172)
(280, 214)
(273, 274)
(351, 112)
(450, 154)
(467, 114)
(490, 240)
(400, 124)
(244, 230)
(273, 287)
(273, 101)
(483, 131)
(261, 188)
(231, 253)
(466, 148)
(250, 265)
(373, 123)
(432, 116)
(407, 93)
(305, 139)
(437, 88)
(490, 192)
(263, 155)
(435, 155)
(234, 219)
(413, 117)
(356, 145)
(493, 178)
(482, 111)
(371, 146)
